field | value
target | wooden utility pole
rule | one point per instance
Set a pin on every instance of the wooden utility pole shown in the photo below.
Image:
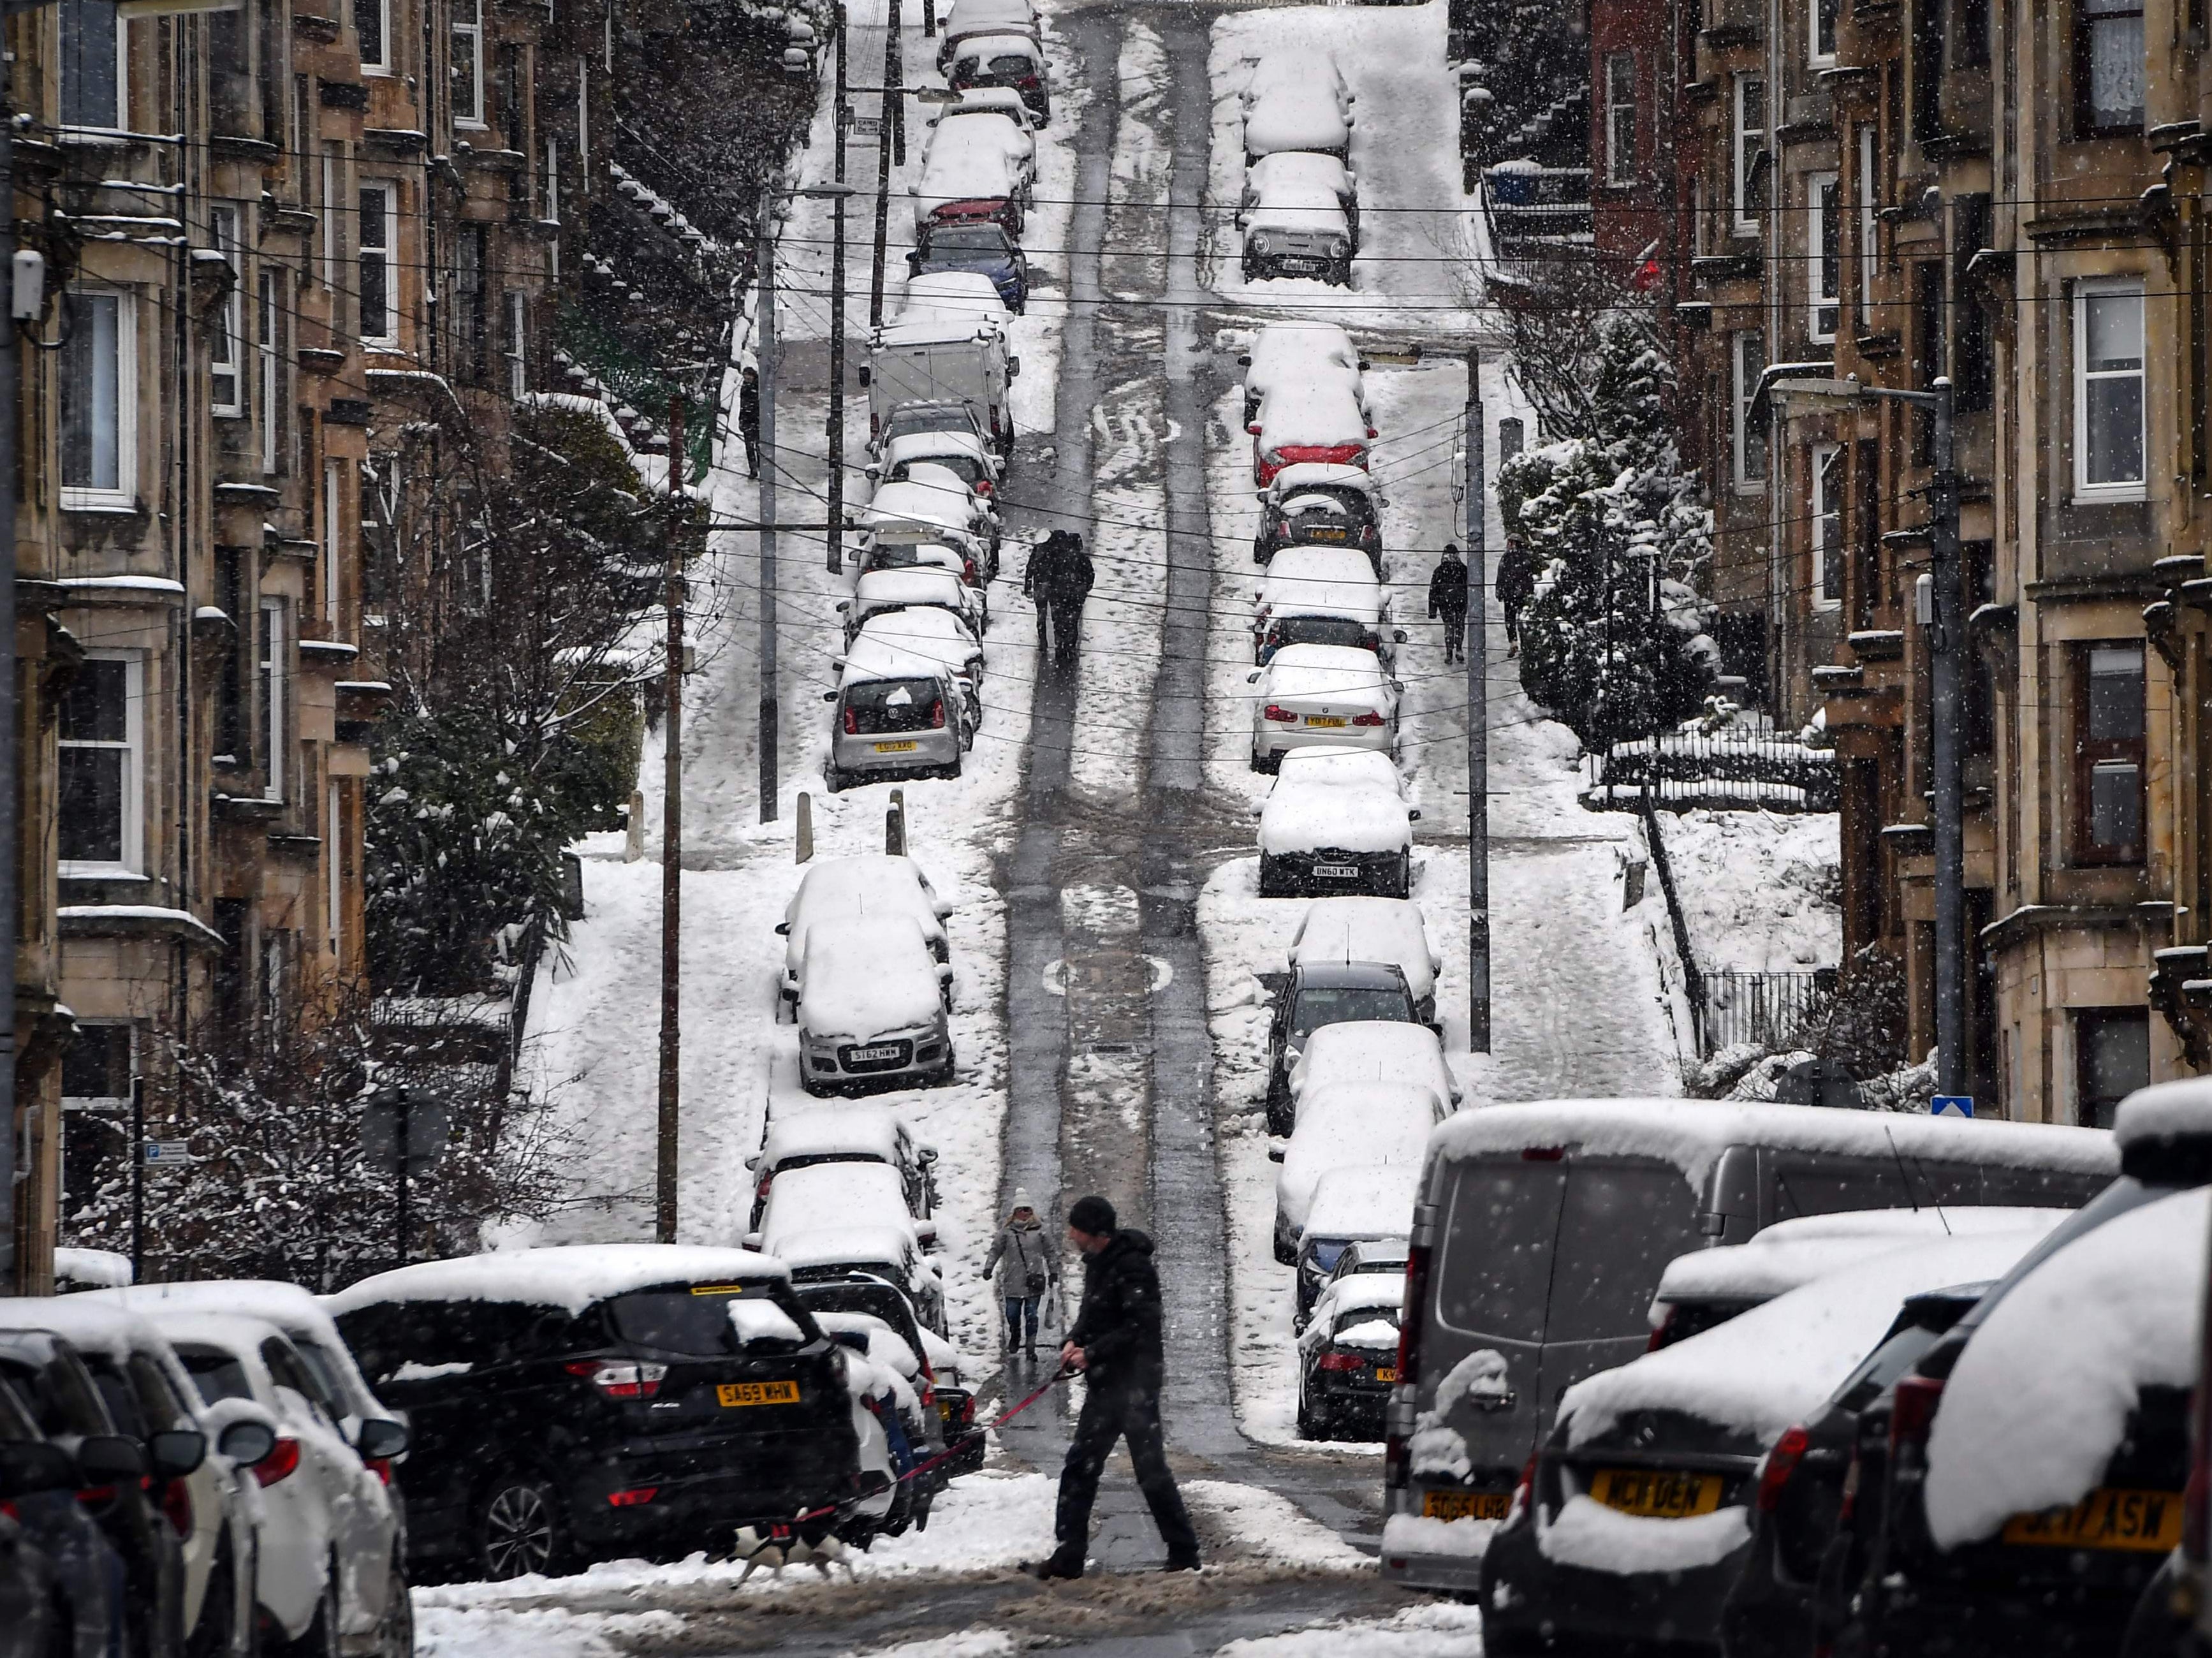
(891, 146)
(1477, 723)
(764, 353)
(841, 119)
(671, 841)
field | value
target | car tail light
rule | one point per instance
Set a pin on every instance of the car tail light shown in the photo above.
(381, 1467)
(1027, 83)
(8, 1509)
(937, 714)
(983, 488)
(637, 1497)
(1781, 1463)
(852, 728)
(1276, 711)
(994, 421)
(1370, 719)
(1524, 1489)
(968, 1409)
(1663, 1333)
(279, 1464)
(92, 1494)
(619, 1379)
(1913, 1411)
(1413, 1319)
(2193, 1493)
(760, 1191)
(1336, 1361)
(967, 572)
(177, 1507)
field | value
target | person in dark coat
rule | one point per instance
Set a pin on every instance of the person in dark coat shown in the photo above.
(1041, 583)
(1516, 586)
(749, 419)
(1115, 1343)
(1076, 578)
(1448, 601)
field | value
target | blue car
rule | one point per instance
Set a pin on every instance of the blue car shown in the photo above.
(981, 245)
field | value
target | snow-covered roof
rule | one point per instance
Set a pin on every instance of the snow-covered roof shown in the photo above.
(1331, 767)
(1791, 1253)
(570, 1276)
(1349, 816)
(994, 45)
(858, 1193)
(982, 132)
(832, 883)
(1773, 1365)
(919, 445)
(895, 554)
(866, 1130)
(1322, 580)
(968, 161)
(935, 634)
(1296, 70)
(935, 327)
(913, 585)
(1290, 118)
(867, 976)
(1373, 1050)
(2041, 1398)
(2165, 1111)
(925, 504)
(298, 1312)
(1362, 929)
(934, 474)
(1344, 1295)
(968, 15)
(840, 1245)
(1350, 1124)
(1330, 673)
(92, 1322)
(1316, 403)
(1363, 1202)
(1285, 350)
(1690, 1134)
(872, 657)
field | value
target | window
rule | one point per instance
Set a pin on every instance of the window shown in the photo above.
(468, 62)
(469, 302)
(1820, 33)
(1620, 117)
(372, 21)
(227, 371)
(379, 225)
(96, 1066)
(232, 734)
(517, 342)
(275, 974)
(96, 1071)
(102, 758)
(2108, 66)
(99, 397)
(1827, 525)
(1824, 261)
(550, 210)
(1869, 198)
(333, 494)
(94, 53)
(1748, 154)
(272, 401)
(270, 668)
(333, 868)
(331, 228)
(1750, 439)
(2108, 748)
(2108, 391)
(2112, 1059)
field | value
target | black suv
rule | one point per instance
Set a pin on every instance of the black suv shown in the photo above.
(1332, 992)
(568, 1404)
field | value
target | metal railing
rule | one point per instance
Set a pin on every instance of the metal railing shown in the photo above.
(1766, 1009)
(1729, 768)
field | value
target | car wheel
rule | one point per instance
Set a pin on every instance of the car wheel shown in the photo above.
(808, 1083)
(1404, 888)
(833, 780)
(945, 1077)
(1311, 1423)
(320, 1639)
(395, 1630)
(520, 1529)
(1342, 274)
(1286, 1254)
(1271, 878)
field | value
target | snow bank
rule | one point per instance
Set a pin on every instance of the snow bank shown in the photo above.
(1588, 1534)
(1759, 890)
(1783, 1256)
(84, 1268)
(534, 1631)
(569, 1276)
(1770, 1367)
(1414, 1534)
(1431, 1631)
(2040, 1397)
(1261, 1525)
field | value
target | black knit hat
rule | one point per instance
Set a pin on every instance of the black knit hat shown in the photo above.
(1093, 1215)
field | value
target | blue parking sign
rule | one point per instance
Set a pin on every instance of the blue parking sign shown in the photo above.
(1952, 1105)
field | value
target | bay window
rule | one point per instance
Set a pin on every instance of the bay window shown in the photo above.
(2109, 440)
(99, 401)
(2108, 748)
(101, 742)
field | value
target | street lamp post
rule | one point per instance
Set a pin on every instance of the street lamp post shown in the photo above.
(1790, 386)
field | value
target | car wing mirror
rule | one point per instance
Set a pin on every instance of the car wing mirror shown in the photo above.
(246, 1442)
(783, 929)
(750, 1241)
(175, 1452)
(31, 1466)
(1412, 814)
(1259, 808)
(1253, 677)
(380, 1438)
(828, 696)
(104, 1459)
(1278, 1148)
(1397, 635)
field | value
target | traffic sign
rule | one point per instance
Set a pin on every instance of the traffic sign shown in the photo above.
(165, 1151)
(1952, 1105)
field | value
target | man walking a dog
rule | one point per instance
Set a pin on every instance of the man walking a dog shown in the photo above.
(1115, 1343)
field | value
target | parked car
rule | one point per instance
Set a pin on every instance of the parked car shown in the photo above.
(962, 452)
(1002, 60)
(1315, 995)
(1336, 695)
(1388, 1049)
(1302, 172)
(1300, 72)
(968, 178)
(1299, 229)
(984, 245)
(880, 591)
(1371, 1257)
(1004, 100)
(946, 550)
(899, 714)
(2035, 1455)
(841, 1193)
(1372, 929)
(574, 1402)
(1542, 1230)
(1314, 504)
(867, 884)
(331, 1564)
(1634, 1519)
(950, 485)
(1296, 117)
(55, 1440)
(867, 1292)
(1286, 354)
(852, 1134)
(836, 1250)
(1336, 821)
(34, 1608)
(912, 1398)
(871, 1008)
(943, 363)
(1322, 596)
(996, 113)
(969, 18)
(1347, 1126)
(936, 635)
(1350, 1205)
(890, 420)
(1320, 420)
(910, 511)
(1349, 1360)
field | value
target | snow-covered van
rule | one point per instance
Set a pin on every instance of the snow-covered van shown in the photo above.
(942, 356)
(1541, 1232)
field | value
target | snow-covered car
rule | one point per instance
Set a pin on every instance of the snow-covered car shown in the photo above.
(873, 1194)
(881, 591)
(982, 246)
(1317, 505)
(970, 18)
(1372, 1257)
(928, 510)
(1371, 1050)
(1320, 420)
(1350, 1205)
(867, 1292)
(1003, 60)
(871, 1007)
(1316, 995)
(958, 494)
(1322, 596)
(900, 1395)
(937, 635)
(2037, 1451)
(977, 121)
(975, 171)
(849, 1133)
(1322, 177)
(1286, 354)
(865, 884)
(1299, 70)
(1291, 116)
(1550, 1224)
(1372, 929)
(1348, 1125)
(1338, 696)
(965, 453)
(573, 1402)
(332, 1560)
(1004, 100)
(1299, 229)
(151, 1397)
(917, 415)
(899, 714)
(1635, 1517)
(835, 1249)
(1336, 821)
(1349, 1360)
(57, 1439)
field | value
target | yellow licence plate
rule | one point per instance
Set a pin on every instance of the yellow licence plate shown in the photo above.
(731, 1394)
(2106, 1519)
(1465, 1505)
(1326, 535)
(1324, 720)
(895, 748)
(1656, 1492)
(1384, 1373)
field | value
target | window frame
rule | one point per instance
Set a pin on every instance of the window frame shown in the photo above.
(2080, 377)
(385, 254)
(2083, 29)
(1830, 559)
(380, 64)
(1818, 12)
(515, 344)
(106, 1102)
(132, 793)
(272, 674)
(333, 873)
(333, 529)
(1823, 256)
(268, 360)
(122, 122)
(227, 347)
(2078, 1020)
(1869, 248)
(1621, 159)
(1747, 482)
(122, 496)
(1746, 146)
(473, 32)
(2090, 753)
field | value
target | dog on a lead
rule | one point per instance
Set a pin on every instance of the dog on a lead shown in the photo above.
(758, 1549)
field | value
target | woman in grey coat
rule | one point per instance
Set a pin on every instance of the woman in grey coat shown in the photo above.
(1027, 1267)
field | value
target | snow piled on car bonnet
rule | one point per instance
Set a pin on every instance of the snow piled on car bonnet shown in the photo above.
(2041, 1398)
(570, 1276)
